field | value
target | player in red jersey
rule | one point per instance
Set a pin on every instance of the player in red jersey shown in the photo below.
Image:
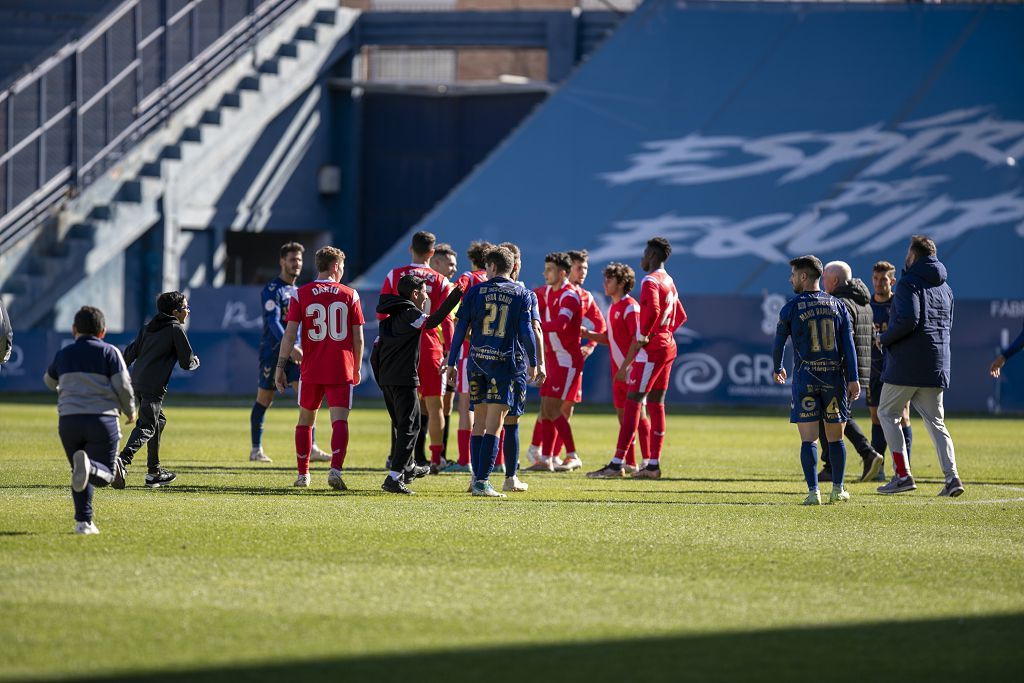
(446, 262)
(623, 318)
(562, 318)
(648, 363)
(332, 354)
(476, 253)
(433, 344)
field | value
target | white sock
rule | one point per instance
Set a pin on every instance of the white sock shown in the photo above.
(395, 475)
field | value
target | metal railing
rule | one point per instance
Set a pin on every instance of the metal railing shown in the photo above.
(77, 112)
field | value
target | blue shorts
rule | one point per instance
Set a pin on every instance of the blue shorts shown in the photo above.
(874, 390)
(268, 367)
(818, 394)
(510, 391)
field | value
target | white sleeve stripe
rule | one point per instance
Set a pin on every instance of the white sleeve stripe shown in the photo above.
(418, 322)
(566, 312)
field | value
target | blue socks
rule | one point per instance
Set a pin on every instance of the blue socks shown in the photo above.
(256, 424)
(474, 454)
(908, 436)
(837, 456)
(511, 449)
(809, 463)
(488, 454)
(878, 439)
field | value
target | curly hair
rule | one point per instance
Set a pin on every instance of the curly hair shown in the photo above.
(623, 273)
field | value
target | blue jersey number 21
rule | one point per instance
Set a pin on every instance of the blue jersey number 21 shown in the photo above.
(499, 313)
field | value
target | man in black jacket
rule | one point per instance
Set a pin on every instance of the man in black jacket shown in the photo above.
(837, 279)
(6, 334)
(395, 359)
(160, 344)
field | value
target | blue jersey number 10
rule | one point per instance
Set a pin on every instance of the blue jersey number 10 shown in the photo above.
(823, 334)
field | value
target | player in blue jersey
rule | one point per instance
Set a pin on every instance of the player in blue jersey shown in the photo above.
(498, 315)
(274, 307)
(1004, 355)
(825, 379)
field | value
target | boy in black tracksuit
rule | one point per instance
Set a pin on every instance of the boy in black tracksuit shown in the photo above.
(159, 346)
(395, 359)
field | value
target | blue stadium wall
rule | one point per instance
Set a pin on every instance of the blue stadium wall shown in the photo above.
(746, 133)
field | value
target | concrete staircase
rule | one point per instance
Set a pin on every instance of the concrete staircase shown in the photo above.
(179, 170)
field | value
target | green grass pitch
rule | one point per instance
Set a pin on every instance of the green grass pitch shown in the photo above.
(714, 573)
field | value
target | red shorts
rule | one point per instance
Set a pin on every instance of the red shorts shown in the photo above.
(431, 381)
(562, 382)
(311, 395)
(649, 374)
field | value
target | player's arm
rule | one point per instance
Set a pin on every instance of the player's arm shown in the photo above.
(782, 333)
(121, 382)
(529, 342)
(1006, 354)
(595, 337)
(272, 315)
(131, 352)
(442, 316)
(680, 314)
(287, 342)
(388, 287)
(357, 353)
(51, 378)
(650, 310)
(903, 315)
(593, 315)
(631, 319)
(845, 335)
(186, 359)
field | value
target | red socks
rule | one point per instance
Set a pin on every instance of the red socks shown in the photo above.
(627, 429)
(435, 453)
(538, 433)
(547, 437)
(899, 461)
(565, 431)
(339, 443)
(657, 413)
(643, 435)
(464, 435)
(303, 446)
(500, 460)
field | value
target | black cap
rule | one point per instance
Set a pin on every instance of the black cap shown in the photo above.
(408, 284)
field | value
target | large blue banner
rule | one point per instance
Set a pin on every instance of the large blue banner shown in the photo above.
(724, 352)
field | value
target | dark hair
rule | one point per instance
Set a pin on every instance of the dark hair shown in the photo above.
(327, 257)
(291, 248)
(560, 259)
(808, 264)
(922, 246)
(477, 251)
(623, 273)
(502, 259)
(444, 249)
(169, 302)
(661, 245)
(89, 320)
(883, 267)
(408, 284)
(578, 256)
(423, 242)
(513, 247)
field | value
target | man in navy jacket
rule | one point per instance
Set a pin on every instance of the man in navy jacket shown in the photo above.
(917, 364)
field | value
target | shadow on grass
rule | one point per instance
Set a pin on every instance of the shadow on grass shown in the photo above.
(252, 469)
(977, 649)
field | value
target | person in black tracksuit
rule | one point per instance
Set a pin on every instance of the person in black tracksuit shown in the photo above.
(160, 344)
(395, 359)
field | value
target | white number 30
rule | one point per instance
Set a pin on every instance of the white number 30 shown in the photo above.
(332, 321)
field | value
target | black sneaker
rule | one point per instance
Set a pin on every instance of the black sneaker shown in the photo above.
(952, 489)
(162, 477)
(872, 465)
(396, 486)
(416, 472)
(825, 474)
(120, 470)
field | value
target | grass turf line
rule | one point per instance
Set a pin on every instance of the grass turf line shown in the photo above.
(715, 573)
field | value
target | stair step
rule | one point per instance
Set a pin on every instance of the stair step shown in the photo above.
(249, 83)
(192, 134)
(130, 191)
(307, 33)
(230, 99)
(81, 231)
(210, 117)
(288, 50)
(171, 152)
(325, 16)
(269, 67)
(151, 170)
(101, 213)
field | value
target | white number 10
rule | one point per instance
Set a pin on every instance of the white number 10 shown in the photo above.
(332, 321)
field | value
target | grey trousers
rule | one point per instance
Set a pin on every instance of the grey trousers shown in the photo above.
(927, 401)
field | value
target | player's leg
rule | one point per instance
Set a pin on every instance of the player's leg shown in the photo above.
(835, 409)
(616, 470)
(257, 417)
(928, 401)
(893, 399)
(144, 429)
(339, 403)
(908, 433)
(510, 435)
(809, 432)
(405, 407)
(493, 418)
(572, 392)
(435, 425)
(656, 387)
(157, 476)
(447, 404)
(71, 429)
(550, 410)
(465, 428)
(310, 396)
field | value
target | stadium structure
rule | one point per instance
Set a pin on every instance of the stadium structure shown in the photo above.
(150, 145)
